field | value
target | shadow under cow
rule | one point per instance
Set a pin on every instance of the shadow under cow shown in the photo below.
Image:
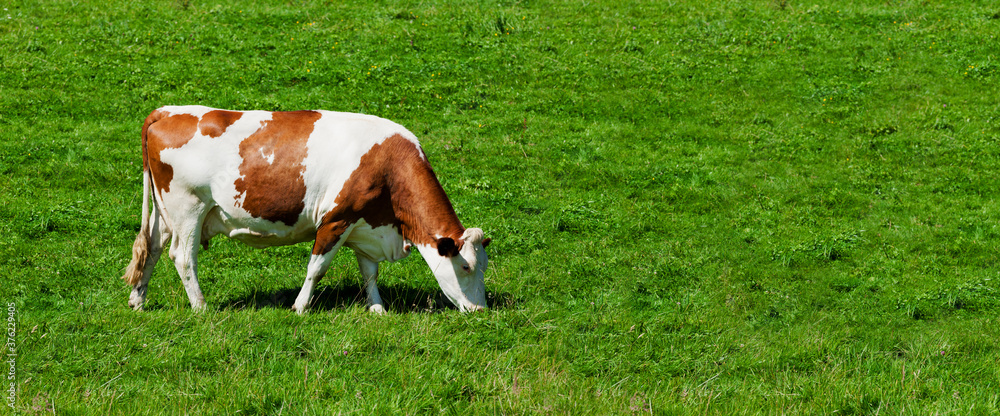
(343, 296)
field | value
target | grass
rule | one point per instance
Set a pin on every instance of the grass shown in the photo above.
(765, 207)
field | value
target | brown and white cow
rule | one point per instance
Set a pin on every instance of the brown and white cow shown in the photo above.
(278, 178)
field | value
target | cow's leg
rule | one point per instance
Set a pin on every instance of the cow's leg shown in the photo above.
(159, 235)
(318, 265)
(369, 269)
(184, 251)
(329, 238)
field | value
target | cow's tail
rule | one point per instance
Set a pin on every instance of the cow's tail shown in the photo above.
(140, 249)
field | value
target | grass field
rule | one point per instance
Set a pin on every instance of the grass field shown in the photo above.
(711, 207)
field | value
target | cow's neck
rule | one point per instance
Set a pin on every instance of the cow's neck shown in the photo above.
(418, 200)
(424, 209)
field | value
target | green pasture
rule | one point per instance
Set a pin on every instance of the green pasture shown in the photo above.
(697, 207)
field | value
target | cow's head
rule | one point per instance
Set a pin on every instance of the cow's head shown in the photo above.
(459, 266)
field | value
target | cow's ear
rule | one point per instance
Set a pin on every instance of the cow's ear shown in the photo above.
(447, 247)
(486, 242)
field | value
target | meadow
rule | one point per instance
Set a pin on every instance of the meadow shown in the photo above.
(711, 207)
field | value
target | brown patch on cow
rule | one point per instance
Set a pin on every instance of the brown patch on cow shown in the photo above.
(393, 185)
(276, 190)
(215, 122)
(165, 131)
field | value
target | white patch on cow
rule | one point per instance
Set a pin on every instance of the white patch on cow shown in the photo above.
(378, 243)
(268, 157)
(334, 151)
(212, 165)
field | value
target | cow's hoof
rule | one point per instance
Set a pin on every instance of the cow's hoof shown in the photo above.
(135, 303)
(376, 309)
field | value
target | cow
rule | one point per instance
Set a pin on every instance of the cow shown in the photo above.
(278, 178)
